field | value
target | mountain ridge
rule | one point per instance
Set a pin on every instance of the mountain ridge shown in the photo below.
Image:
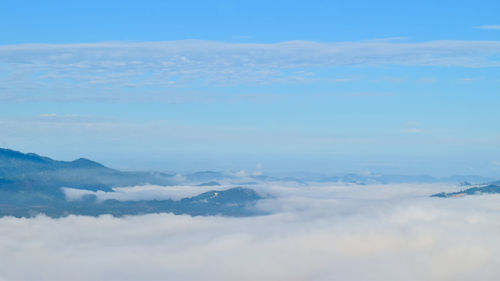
(31, 184)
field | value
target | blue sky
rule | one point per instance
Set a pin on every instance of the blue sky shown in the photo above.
(327, 86)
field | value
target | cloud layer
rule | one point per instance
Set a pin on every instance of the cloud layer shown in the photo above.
(391, 232)
(145, 192)
(117, 68)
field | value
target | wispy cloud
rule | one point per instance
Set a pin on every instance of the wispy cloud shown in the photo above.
(494, 27)
(467, 80)
(111, 69)
(414, 130)
(342, 80)
(48, 115)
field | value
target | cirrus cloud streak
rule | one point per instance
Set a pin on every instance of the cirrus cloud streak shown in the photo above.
(108, 69)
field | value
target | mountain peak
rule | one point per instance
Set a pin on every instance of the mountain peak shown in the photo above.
(85, 163)
(21, 161)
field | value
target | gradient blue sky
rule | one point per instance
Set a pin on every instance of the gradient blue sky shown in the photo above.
(327, 86)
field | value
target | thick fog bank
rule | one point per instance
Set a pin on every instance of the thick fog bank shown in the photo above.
(377, 232)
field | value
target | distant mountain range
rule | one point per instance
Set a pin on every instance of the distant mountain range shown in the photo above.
(305, 178)
(231, 202)
(390, 179)
(31, 172)
(31, 184)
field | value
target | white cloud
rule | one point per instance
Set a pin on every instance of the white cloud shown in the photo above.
(414, 130)
(156, 69)
(48, 115)
(241, 174)
(386, 232)
(342, 80)
(494, 27)
(144, 192)
(258, 170)
(179, 178)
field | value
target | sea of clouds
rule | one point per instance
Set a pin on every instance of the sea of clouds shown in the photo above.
(315, 232)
